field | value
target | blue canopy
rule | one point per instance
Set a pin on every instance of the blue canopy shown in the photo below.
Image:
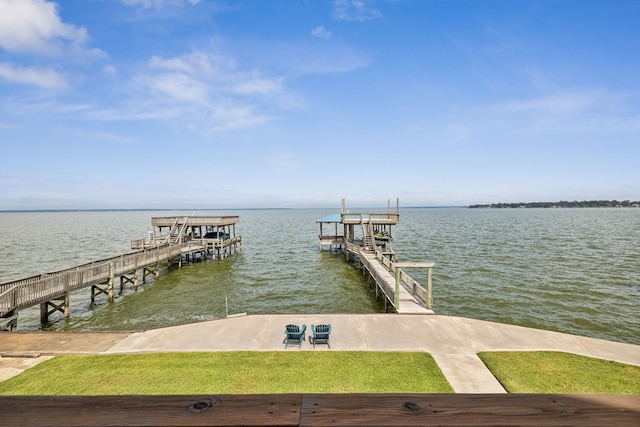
(333, 218)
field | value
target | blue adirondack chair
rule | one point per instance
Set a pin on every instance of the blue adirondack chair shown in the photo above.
(321, 334)
(294, 335)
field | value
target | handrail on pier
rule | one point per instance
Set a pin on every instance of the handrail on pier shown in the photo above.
(22, 293)
(413, 286)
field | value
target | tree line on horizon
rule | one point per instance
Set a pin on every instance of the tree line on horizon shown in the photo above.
(565, 204)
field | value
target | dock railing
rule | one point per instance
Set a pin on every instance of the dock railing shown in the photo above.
(376, 218)
(417, 290)
(198, 220)
(29, 291)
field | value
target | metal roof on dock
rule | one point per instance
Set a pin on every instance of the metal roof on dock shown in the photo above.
(330, 218)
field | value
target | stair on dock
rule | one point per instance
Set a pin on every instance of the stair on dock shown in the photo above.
(367, 237)
(177, 230)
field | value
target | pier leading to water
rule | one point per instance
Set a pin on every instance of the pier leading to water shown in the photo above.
(174, 241)
(366, 238)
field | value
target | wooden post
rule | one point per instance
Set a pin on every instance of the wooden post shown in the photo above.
(112, 271)
(62, 306)
(67, 310)
(396, 297)
(429, 287)
(44, 312)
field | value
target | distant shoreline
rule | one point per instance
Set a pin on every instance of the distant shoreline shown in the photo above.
(563, 204)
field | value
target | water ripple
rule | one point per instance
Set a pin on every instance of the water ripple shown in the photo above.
(570, 270)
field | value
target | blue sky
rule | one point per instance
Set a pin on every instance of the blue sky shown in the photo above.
(253, 103)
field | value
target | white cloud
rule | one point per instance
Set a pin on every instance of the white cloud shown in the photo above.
(43, 77)
(334, 61)
(193, 63)
(258, 85)
(177, 87)
(559, 103)
(33, 26)
(212, 88)
(321, 32)
(159, 3)
(354, 10)
(110, 70)
(229, 115)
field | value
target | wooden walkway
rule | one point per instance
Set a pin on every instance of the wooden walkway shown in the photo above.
(100, 275)
(408, 299)
(367, 237)
(187, 239)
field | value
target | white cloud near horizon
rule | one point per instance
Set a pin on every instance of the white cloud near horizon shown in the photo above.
(42, 77)
(557, 103)
(577, 111)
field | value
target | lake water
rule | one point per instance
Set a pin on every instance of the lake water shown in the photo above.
(569, 270)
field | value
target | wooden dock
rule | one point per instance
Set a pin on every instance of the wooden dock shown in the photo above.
(175, 240)
(366, 238)
(404, 293)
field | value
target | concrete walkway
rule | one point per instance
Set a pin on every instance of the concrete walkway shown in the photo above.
(453, 341)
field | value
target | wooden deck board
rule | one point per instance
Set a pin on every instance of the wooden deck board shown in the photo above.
(322, 410)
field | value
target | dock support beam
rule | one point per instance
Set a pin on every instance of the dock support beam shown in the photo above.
(61, 304)
(148, 271)
(111, 279)
(95, 291)
(124, 280)
(9, 322)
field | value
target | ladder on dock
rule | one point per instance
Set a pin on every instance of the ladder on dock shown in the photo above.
(368, 241)
(177, 231)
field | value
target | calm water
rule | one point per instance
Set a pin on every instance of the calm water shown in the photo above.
(570, 270)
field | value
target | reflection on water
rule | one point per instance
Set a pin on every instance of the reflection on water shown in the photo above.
(572, 270)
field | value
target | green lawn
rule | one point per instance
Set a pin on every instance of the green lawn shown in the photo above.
(556, 372)
(232, 373)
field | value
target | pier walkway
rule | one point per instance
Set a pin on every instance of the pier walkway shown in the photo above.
(186, 238)
(403, 292)
(366, 238)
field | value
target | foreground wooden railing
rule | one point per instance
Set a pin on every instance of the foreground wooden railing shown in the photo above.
(323, 410)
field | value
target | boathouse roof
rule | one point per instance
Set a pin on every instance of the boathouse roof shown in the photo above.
(330, 218)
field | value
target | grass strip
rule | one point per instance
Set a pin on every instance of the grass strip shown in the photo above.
(558, 372)
(232, 373)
